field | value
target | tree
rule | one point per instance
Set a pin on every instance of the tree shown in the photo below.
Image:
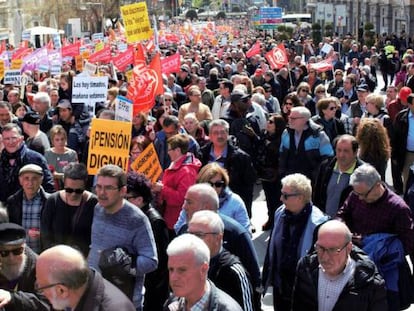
(191, 14)
(316, 32)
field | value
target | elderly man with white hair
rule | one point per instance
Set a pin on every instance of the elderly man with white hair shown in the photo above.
(188, 264)
(41, 104)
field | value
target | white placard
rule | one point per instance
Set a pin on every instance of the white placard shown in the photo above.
(12, 77)
(123, 109)
(89, 90)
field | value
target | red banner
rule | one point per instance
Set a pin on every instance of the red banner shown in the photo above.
(322, 66)
(71, 49)
(171, 64)
(21, 53)
(254, 50)
(122, 60)
(139, 55)
(277, 57)
(103, 56)
(145, 84)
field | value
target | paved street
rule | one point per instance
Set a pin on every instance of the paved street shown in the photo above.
(260, 217)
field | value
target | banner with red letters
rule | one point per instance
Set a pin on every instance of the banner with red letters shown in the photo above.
(171, 64)
(122, 60)
(71, 49)
(103, 56)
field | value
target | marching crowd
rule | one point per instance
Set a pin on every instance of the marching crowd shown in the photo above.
(318, 142)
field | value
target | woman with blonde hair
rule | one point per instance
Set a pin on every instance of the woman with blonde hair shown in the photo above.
(230, 203)
(376, 109)
(374, 144)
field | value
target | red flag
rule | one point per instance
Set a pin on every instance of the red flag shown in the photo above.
(21, 53)
(50, 45)
(139, 55)
(150, 46)
(254, 50)
(145, 84)
(103, 56)
(122, 60)
(171, 64)
(71, 49)
(277, 57)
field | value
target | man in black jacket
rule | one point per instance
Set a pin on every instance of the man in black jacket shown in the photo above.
(63, 276)
(338, 276)
(17, 273)
(156, 282)
(226, 270)
(237, 162)
(332, 184)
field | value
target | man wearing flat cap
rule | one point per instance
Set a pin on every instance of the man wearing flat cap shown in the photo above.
(17, 271)
(30, 198)
(36, 139)
(14, 156)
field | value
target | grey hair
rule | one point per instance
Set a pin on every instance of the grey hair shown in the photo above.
(42, 97)
(207, 195)
(210, 218)
(219, 122)
(303, 111)
(189, 243)
(259, 99)
(366, 174)
(300, 184)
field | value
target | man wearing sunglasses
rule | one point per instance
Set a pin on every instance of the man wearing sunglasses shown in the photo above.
(292, 238)
(17, 271)
(343, 276)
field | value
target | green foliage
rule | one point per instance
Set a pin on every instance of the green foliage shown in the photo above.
(316, 32)
(329, 29)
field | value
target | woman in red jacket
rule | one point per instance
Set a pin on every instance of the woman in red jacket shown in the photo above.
(177, 178)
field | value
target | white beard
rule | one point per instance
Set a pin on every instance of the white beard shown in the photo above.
(14, 272)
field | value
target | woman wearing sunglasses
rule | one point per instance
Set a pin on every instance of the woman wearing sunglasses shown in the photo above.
(230, 203)
(326, 118)
(67, 216)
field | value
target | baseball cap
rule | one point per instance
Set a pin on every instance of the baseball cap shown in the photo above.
(31, 117)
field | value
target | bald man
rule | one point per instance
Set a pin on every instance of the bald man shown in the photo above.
(342, 274)
(63, 276)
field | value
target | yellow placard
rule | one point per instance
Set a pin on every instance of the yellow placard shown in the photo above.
(99, 46)
(16, 64)
(1, 69)
(85, 54)
(148, 164)
(136, 21)
(109, 144)
(128, 75)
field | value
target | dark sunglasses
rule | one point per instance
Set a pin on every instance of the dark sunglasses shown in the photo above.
(332, 108)
(217, 184)
(15, 252)
(320, 92)
(168, 99)
(77, 191)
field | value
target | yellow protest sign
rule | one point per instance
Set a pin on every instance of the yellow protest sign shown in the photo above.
(136, 21)
(1, 69)
(99, 46)
(148, 164)
(16, 64)
(109, 144)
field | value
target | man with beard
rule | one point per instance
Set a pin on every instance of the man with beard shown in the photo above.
(17, 271)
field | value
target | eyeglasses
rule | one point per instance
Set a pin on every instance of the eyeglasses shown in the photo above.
(217, 184)
(364, 195)
(295, 118)
(106, 188)
(41, 289)
(15, 252)
(319, 92)
(304, 90)
(270, 121)
(77, 191)
(10, 138)
(286, 196)
(131, 196)
(330, 251)
(202, 235)
(332, 108)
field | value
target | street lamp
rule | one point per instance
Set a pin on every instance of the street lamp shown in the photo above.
(86, 5)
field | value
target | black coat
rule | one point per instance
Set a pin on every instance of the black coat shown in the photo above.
(24, 298)
(365, 291)
(101, 295)
(319, 193)
(399, 138)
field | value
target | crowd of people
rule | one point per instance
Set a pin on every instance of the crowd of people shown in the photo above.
(318, 143)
